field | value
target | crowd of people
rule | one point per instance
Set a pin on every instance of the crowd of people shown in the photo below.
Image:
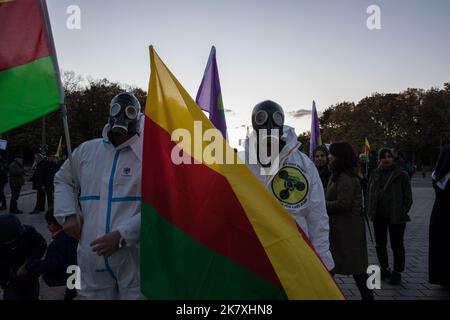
(332, 197)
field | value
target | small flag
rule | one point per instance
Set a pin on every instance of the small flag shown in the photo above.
(209, 96)
(59, 149)
(315, 139)
(28, 71)
(366, 148)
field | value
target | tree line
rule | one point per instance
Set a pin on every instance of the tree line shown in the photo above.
(415, 121)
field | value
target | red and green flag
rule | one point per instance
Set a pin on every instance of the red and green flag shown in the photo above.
(29, 85)
(211, 230)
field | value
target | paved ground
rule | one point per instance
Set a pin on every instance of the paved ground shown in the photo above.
(415, 284)
(415, 278)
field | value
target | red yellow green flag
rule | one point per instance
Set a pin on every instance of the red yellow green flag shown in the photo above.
(28, 81)
(366, 148)
(211, 230)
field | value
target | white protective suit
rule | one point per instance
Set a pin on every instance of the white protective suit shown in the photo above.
(110, 198)
(307, 202)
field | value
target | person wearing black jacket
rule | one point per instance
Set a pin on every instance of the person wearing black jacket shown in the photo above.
(18, 244)
(61, 253)
(38, 182)
(49, 170)
(16, 181)
(320, 155)
(439, 243)
(389, 201)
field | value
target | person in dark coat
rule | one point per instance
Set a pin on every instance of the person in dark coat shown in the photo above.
(16, 181)
(61, 253)
(18, 244)
(38, 182)
(347, 230)
(320, 155)
(48, 175)
(3, 182)
(390, 199)
(439, 245)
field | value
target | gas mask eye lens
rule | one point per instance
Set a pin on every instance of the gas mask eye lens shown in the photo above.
(131, 112)
(277, 118)
(261, 117)
(115, 109)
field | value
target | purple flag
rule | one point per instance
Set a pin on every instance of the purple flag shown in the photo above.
(315, 139)
(209, 96)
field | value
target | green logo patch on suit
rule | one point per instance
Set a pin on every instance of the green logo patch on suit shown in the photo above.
(290, 185)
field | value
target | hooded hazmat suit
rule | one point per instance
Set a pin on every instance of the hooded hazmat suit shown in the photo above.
(110, 198)
(297, 186)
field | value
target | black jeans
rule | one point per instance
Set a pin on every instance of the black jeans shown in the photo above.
(396, 233)
(40, 200)
(49, 191)
(361, 283)
(15, 193)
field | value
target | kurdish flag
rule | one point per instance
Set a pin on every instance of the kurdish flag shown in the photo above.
(209, 95)
(28, 72)
(366, 148)
(212, 231)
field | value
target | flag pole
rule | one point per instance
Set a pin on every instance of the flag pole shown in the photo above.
(62, 104)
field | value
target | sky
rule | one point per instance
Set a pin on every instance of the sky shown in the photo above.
(288, 51)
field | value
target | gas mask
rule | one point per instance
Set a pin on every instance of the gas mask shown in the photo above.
(124, 114)
(11, 230)
(268, 121)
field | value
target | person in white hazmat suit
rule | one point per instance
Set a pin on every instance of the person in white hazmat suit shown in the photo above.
(292, 177)
(108, 172)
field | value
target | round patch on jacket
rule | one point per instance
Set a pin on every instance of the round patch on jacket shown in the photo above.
(290, 185)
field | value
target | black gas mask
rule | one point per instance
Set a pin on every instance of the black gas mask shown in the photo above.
(268, 121)
(124, 114)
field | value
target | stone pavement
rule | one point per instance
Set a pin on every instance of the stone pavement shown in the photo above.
(415, 278)
(414, 284)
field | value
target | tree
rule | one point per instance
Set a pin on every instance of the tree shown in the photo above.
(87, 104)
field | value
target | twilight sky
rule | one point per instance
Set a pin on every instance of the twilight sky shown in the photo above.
(289, 51)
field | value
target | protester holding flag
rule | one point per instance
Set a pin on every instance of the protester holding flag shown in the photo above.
(206, 232)
(108, 171)
(295, 182)
(347, 231)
